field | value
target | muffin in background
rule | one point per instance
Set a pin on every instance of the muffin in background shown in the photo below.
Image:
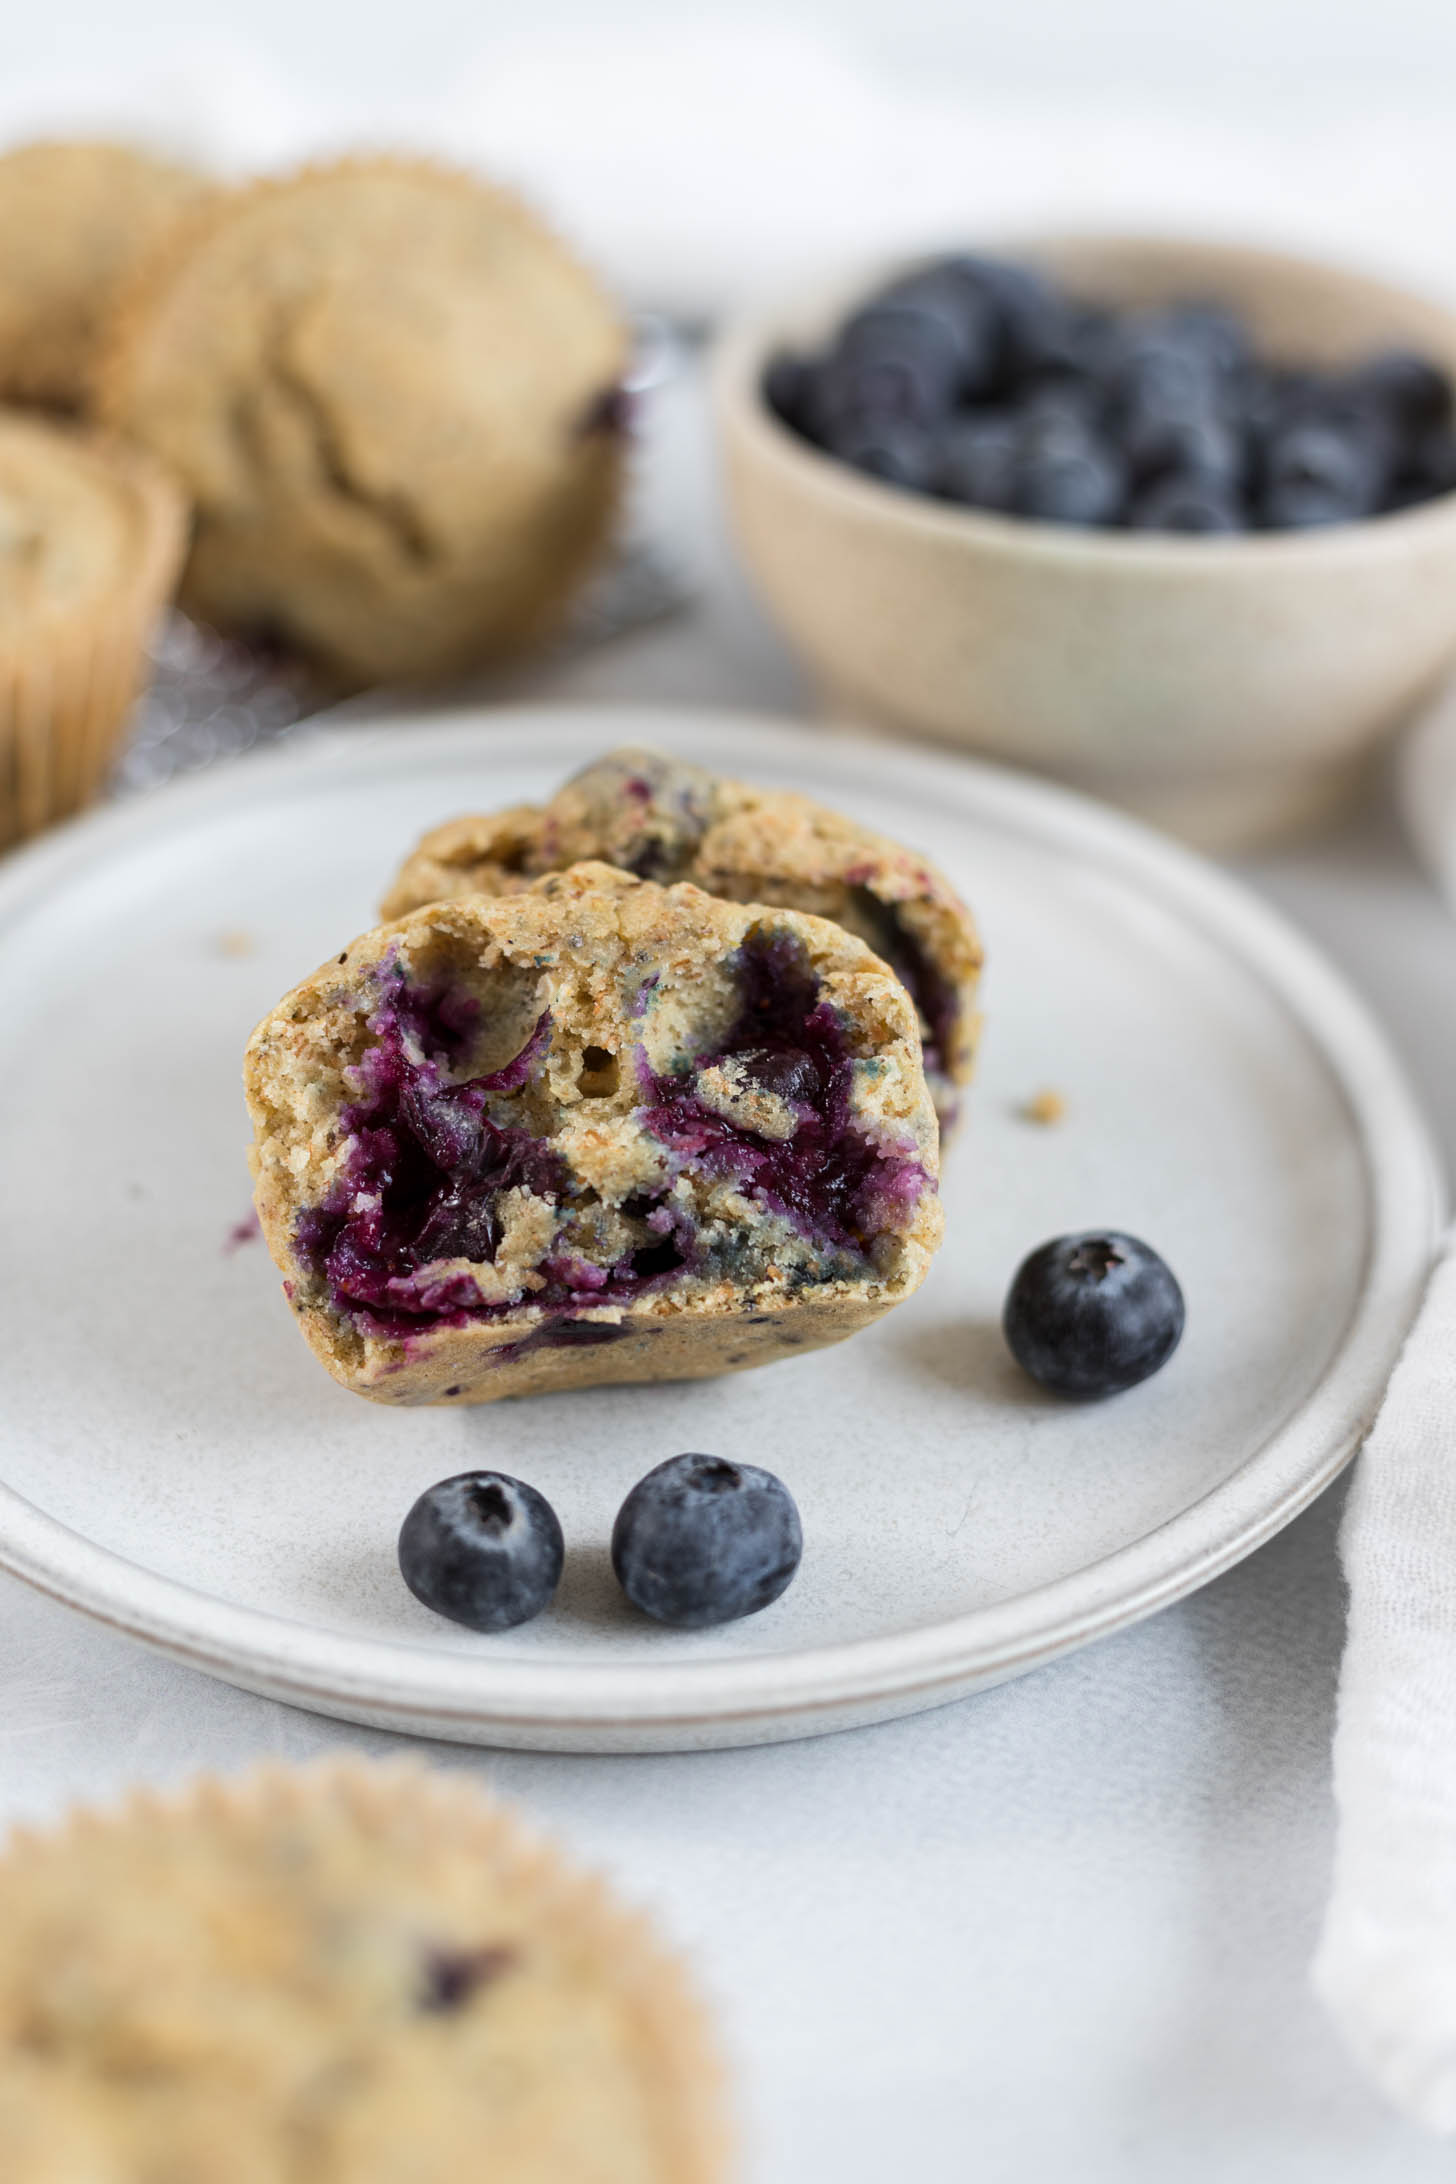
(92, 534)
(76, 220)
(667, 819)
(393, 399)
(351, 1974)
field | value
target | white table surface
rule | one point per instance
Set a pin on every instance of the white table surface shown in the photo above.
(1057, 1930)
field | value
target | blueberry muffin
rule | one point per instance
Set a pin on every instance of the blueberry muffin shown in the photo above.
(76, 220)
(345, 1975)
(665, 819)
(599, 1130)
(91, 537)
(390, 395)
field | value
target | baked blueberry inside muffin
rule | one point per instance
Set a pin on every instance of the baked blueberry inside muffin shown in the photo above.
(599, 1129)
(665, 819)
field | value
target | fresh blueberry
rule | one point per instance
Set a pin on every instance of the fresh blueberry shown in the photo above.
(1203, 442)
(1038, 329)
(1436, 460)
(1215, 333)
(920, 333)
(1156, 364)
(844, 392)
(1069, 477)
(1299, 507)
(1429, 469)
(847, 392)
(1275, 399)
(898, 355)
(1091, 1314)
(1058, 410)
(1322, 461)
(1257, 402)
(785, 385)
(482, 1549)
(1186, 501)
(968, 313)
(977, 457)
(980, 381)
(701, 1541)
(893, 448)
(1074, 344)
(1411, 390)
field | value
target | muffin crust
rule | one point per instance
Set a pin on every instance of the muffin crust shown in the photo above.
(599, 1130)
(667, 819)
(385, 387)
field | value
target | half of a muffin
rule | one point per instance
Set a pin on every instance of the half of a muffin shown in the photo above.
(667, 819)
(599, 1130)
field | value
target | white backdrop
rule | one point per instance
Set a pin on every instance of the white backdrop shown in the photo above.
(704, 153)
(1278, 52)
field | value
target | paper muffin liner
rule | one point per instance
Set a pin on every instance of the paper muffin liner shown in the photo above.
(423, 1806)
(136, 305)
(68, 681)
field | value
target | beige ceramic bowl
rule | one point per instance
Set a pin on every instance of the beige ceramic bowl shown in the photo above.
(1232, 689)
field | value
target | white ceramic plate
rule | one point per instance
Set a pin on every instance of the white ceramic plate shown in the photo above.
(175, 1463)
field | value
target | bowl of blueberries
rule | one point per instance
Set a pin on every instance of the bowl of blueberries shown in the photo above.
(1175, 521)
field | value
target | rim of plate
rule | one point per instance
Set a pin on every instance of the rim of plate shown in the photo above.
(318, 1667)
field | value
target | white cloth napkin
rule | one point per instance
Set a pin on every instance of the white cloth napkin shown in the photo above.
(1386, 1965)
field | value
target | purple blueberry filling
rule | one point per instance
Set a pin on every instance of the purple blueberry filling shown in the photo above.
(651, 811)
(561, 1334)
(935, 998)
(428, 1167)
(246, 1231)
(432, 1156)
(453, 1977)
(570, 1334)
(832, 1180)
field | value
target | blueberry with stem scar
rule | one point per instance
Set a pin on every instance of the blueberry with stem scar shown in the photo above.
(702, 1541)
(483, 1549)
(1092, 1314)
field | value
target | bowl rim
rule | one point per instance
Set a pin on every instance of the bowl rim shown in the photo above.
(744, 347)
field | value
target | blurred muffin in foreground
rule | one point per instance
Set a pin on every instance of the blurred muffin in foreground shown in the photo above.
(76, 220)
(349, 1975)
(91, 538)
(393, 399)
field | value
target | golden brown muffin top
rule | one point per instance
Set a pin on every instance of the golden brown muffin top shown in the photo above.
(380, 382)
(76, 220)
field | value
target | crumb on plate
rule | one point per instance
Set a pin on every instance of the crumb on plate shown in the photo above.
(1045, 1107)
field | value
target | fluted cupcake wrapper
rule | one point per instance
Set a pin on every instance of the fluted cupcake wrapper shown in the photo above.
(418, 1808)
(67, 683)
